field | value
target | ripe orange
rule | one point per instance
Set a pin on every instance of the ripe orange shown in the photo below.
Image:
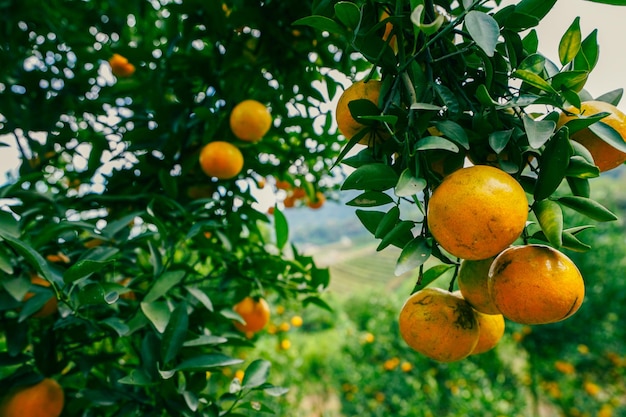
(120, 67)
(476, 212)
(256, 314)
(319, 201)
(44, 399)
(491, 330)
(250, 120)
(347, 125)
(221, 160)
(605, 156)
(439, 324)
(50, 307)
(535, 284)
(473, 281)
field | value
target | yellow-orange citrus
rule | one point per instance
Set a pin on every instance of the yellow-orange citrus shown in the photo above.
(491, 330)
(318, 202)
(535, 284)
(439, 324)
(44, 399)
(347, 125)
(473, 279)
(393, 42)
(476, 212)
(120, 67)
(256, 314)
(221, 160)
(605, 156)
(51, 306)
(250, 120)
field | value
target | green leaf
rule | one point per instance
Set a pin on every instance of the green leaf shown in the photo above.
(136, 377)
(579, 186)
(609, 135)
(256, 373)
(431, 275)
(321, 23)
(175, 333)
(281, 228)
(399, 236)
(535, 8)
(9, 224)
(453, 131)
(588, 207)
(534, 80)
(570, 80)
(449, 100)
(570, 42)
(587, 57)
(612, 97)
(117, 325)
(436, 142)
(348, 13)
(417, 17)
(388, 222)
(371, 199)
(408, 185)
(579, 167)
(550, 217)
(538, 131)
(201, 296)
(426, 106)
(273, 391)
(361, 108)
(375, 177)
(370, 219)
(207, 362)
(484, 30)
(414, 254)
(613, 2)
(318, 302)
(205, 340)
(83, 269)
(553, 165)
(583, 122)
(498, 140)
(95, 294)
(163, 284)
(157, 313)
(30, 254)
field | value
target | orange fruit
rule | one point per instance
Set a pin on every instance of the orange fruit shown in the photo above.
(473, 280)
(347, 125)
(439, 324)
(250, 120)
(44, 399)
(393, 42)
(283, 185)
(298, 193)
(318, 202)
(605, 156)
(476, 212)
(120, 67)
(256, 314)
(289, 201)
(221, 160)
(50, 307)
(535, 284)
(490, 331)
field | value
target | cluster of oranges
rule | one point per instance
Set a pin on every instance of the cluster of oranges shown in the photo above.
(299, 196)
(476, 214)
(249, 121)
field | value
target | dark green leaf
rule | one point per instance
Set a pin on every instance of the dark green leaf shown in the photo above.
(399, 236)
(83, 269)
(201, 296)
(175, 333)
(534, 80)
(414, 254)
(370, 199)
(536, 8)
(552, 165)
(588, 207)
(609, 135)
(9, 225)
(436, 142)
(498, 140)
(205, 340)
(136, 377)
(370, 219)
(431, 275)
(348, 13)
(453, 131)
(281, 228)
(207, 362)
(363, 107)
(30, 254)
(375, 177)
(570, 80)
(321, 23)
(318, 302)
(388, 222)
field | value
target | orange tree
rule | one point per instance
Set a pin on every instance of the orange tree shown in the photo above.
(456, 83)
(141, 237)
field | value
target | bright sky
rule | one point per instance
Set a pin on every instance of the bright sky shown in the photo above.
(608, 75)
